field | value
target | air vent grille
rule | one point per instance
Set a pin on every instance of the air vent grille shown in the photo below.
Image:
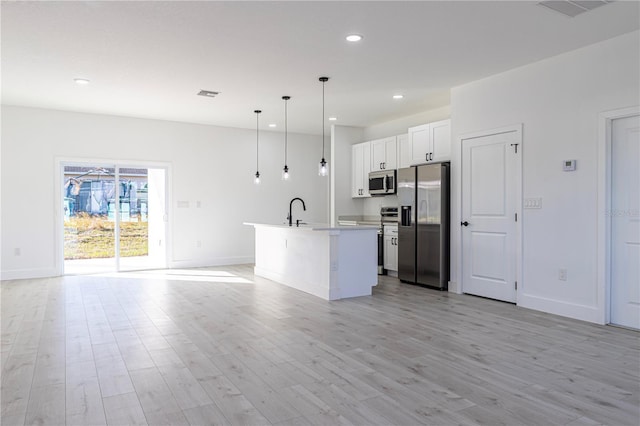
(575, 7)
(208, 93)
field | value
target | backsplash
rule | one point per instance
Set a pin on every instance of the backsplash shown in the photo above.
(372, 205)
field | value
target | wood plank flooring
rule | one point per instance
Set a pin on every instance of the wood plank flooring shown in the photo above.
(220, 346)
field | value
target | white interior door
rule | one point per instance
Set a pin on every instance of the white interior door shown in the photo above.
(490, 170)
(625, 222)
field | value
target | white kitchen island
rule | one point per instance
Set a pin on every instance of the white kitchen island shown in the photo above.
(329, 262)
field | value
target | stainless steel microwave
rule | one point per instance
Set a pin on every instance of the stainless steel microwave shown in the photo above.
(382, 182)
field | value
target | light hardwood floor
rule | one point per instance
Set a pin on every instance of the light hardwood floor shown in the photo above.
(220, 346)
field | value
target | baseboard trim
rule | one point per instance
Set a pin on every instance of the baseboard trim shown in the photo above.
(25, 274)
(564, 309)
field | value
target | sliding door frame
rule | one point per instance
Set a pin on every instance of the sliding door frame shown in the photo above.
(60, 162)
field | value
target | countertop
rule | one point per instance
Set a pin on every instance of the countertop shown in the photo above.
(313, 226)
(360, 220)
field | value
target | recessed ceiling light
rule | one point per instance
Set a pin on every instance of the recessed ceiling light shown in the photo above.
(81, 81)
(354, 37)
(272, 125)
(398, 96)
(333, 118)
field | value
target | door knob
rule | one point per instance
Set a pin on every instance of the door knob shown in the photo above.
(465, 223)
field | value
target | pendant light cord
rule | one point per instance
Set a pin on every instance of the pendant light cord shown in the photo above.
(323, 119)
(285, 131)
(257, 139)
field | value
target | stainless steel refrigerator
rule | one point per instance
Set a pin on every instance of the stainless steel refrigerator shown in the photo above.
(423, 225)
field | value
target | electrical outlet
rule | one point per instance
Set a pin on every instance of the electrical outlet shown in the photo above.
(562, 274)
(532, 203)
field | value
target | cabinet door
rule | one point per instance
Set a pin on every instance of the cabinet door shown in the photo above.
(360, 168)
(366, 167)
(389, 248)
(420, 140)
(378, 154)
(393, 255)
(383, 154)
(404, 151)
(390, 161)
(357, 172)
(441, 140)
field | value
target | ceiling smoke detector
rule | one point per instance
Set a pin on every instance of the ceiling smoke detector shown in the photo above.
(575, 7)
(208, 93)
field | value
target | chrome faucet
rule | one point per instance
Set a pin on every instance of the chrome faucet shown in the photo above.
(290, 206)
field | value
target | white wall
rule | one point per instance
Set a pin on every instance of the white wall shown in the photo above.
(399, 126)
(558, 101)
(213, 165)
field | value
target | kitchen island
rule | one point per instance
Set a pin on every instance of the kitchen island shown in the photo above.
(329, 262)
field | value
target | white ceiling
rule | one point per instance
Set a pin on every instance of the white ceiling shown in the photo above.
(149, 59)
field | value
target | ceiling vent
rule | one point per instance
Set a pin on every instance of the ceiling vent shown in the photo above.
(575, 7)
(208, 93)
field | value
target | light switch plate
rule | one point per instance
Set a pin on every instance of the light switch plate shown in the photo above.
(533, 203)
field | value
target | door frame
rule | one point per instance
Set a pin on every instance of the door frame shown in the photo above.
(517, 129)
(59, 203)
(603, 266)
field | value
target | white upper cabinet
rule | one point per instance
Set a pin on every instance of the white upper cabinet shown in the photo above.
(404, 151)
(383, 154)
(430, 142)
(360, 168)
(440, 140)
(420, 143)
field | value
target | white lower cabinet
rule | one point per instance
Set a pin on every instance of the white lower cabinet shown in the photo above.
(390, 247)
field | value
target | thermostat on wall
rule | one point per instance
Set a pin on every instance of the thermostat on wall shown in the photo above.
(569, 165)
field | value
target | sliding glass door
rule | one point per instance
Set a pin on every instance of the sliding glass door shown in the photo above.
(141, 219)
(114, 218)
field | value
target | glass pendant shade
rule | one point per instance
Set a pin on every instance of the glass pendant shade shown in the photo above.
(323, 168)
(285, 173)
(256, 179)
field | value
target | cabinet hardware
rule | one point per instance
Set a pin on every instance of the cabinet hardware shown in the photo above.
(465, 223)
(431, 156)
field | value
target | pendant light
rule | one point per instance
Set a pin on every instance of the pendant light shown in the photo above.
(285, 170)
(257, 178)
(323, 167)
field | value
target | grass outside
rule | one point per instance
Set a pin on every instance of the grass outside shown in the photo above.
(92, 237)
